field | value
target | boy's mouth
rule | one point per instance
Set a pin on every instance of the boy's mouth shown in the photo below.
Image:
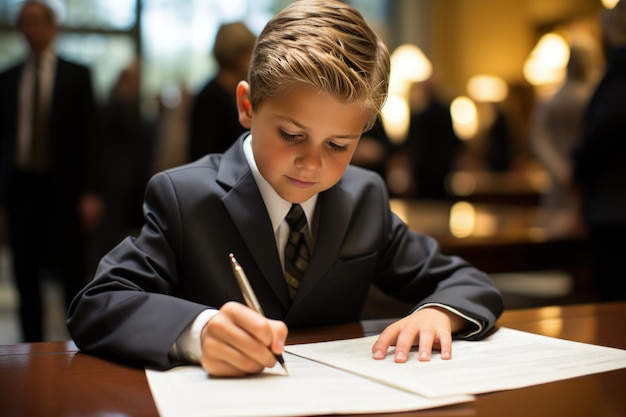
(301, 184)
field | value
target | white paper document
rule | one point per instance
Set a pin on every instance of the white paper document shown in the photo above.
(507, 359)
(309, 389)
(341, 377)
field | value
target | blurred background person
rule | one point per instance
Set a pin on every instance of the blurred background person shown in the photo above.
(431, 144)
(556, 127)
(599, 162)
(499, 152)
(214, 124)
(125, 146)
(170, 130)
(374, 149)
(47, 166)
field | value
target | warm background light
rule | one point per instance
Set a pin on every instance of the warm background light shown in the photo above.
(462, 219)
(409, 64)
(547, 61)
(464, 117)
(609, 4)
(396, 116)
(487, 88)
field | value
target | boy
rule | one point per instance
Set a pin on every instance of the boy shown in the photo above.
(317, 80)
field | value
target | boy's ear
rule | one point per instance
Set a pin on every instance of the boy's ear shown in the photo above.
(244, 106)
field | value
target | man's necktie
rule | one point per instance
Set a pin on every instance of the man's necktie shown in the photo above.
(297, 255)
(39, 145)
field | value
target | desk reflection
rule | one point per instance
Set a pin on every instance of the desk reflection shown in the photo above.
(463, 222)
(501, 238)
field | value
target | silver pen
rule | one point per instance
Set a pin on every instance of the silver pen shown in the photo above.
(250, 297)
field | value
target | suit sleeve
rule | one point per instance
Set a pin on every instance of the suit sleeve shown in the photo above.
(129, 310)
(413, 269)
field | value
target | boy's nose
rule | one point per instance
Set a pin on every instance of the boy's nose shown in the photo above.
(310, 160)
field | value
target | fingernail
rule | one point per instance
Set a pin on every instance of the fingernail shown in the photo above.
(400, 356)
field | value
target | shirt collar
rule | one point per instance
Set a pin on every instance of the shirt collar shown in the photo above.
(277, 208)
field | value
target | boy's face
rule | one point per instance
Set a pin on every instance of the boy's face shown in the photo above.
(302, 141)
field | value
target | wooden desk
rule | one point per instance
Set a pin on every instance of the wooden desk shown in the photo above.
(53, 379)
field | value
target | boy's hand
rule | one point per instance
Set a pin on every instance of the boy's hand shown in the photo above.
(238, 341)
(430, 327)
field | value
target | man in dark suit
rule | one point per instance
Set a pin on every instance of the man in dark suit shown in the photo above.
(47, 168)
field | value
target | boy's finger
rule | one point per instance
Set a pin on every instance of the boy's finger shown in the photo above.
(406, 340)
(280, 331)
(385, 339)
(425, 347)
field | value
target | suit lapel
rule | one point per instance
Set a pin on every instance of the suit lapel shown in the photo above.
(245, 205)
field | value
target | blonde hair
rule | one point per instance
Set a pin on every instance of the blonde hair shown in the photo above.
(326, 45)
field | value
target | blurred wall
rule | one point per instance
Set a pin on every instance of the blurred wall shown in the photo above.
(467, 37)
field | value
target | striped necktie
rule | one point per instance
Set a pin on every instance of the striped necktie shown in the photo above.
(297, 255)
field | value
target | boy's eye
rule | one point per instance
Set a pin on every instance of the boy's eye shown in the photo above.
(336, 147)
(287, 136)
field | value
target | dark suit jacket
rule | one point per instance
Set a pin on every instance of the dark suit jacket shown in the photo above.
(71, 127)
(149, 288)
